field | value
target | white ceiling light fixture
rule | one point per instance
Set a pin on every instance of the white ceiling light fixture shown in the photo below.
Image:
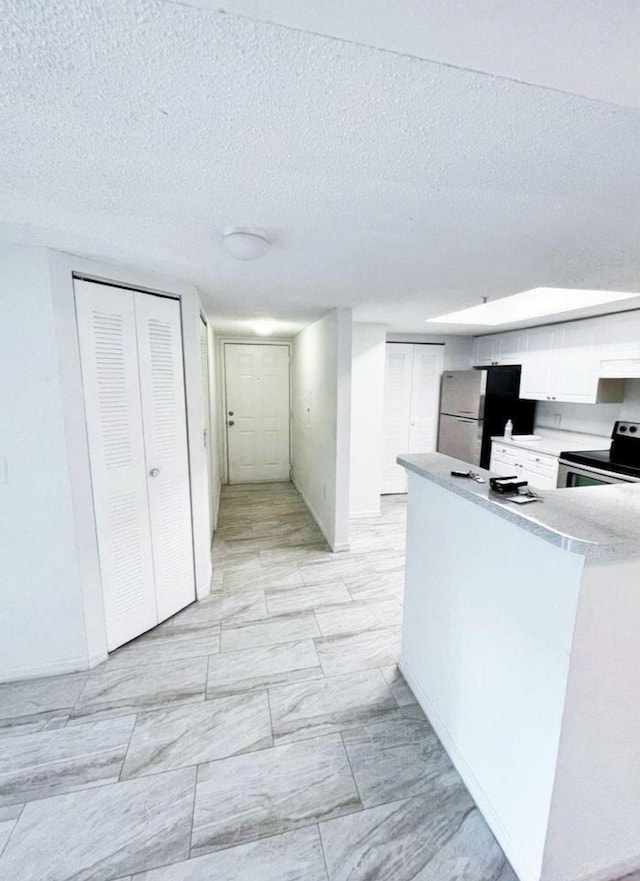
(536, 303)
(246, 242)
(264, 326)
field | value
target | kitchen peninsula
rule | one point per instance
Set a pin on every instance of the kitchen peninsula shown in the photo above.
(521, 641)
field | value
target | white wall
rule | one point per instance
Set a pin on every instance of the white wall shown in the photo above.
(367, 402)
(590, 418)
(42, 627)
(52, 611)
(321, 416)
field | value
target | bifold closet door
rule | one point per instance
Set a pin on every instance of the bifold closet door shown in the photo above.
(411, 398)
(397, 414)
(113, 408)
(428, 362)
(165, 440)
(133, 376)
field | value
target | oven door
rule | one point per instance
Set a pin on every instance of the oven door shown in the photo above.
(580, 475)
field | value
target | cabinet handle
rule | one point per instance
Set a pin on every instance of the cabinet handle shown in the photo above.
(154, 472)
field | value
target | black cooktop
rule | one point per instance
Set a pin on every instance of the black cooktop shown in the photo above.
(622, 458)
(602, 460)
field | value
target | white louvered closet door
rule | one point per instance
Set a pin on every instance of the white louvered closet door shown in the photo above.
(165, 433)
(397, 411)
(110, 374)
(428, 362)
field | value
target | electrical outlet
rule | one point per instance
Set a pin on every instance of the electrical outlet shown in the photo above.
(4, 470)
(558, 418)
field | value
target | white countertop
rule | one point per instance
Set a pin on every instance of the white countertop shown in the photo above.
(556, 442)
(592, 521)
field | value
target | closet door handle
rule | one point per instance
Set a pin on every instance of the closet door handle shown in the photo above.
(154, 472)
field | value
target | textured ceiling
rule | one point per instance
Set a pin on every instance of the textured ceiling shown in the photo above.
(587, 47)
(136, 131)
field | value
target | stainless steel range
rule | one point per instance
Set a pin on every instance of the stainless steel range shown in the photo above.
(620, 464)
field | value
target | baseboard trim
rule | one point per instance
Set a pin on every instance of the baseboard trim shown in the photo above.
(336, 548)
(203, 592)
(522, 869)
(54, 668)
(363, 514)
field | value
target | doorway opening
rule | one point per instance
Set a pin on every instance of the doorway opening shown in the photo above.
(257, 411)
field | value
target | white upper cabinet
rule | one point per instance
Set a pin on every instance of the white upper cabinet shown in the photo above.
(575, 362)
(561, 364)
(502, 348)
(566, 362)
(537, 378)
(620, 349)
(485, 351)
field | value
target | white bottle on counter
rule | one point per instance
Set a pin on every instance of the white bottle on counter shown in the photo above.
(508, 429)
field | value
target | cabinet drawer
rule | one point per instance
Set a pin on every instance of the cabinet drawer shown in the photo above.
(510, 454)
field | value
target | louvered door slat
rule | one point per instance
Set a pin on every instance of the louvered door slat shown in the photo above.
(397, 406)
(425, 398)
(108, 351)
(164, 419)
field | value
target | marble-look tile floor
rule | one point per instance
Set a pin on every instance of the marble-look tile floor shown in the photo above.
(263, 733)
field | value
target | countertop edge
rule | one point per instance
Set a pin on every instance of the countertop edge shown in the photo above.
(564, 541)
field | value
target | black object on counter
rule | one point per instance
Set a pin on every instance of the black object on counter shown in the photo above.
(507, 485)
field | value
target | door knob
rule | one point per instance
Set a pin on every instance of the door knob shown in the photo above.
(230, 422)
(154, 472)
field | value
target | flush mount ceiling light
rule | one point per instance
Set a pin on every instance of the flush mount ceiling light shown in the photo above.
(246, 242)
(536, 303)
(264, 326)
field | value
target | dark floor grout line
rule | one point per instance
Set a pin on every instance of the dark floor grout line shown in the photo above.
(193, 811)
(322, 851)
(355, 782)
(15, 824)
(126, 752)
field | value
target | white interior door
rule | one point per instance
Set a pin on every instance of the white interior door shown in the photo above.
(165, 430)
(397, 414)
(257, 418)
(109, 357)
(428, 362)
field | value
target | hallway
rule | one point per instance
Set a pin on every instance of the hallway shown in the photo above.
(262, 733)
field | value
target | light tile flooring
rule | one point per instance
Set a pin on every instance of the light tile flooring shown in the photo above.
(264, 733)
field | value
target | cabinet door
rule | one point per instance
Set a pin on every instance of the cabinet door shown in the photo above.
(575, 363)
(537, 367)
(485, 351)
(113, 410)
(510, 348)
(621, 336)
(502, 467)
(425, 394)
(397, 414)
(165, 429)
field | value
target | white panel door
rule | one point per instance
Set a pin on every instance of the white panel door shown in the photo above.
(257, 418)
(165, 431)
(109, 357)
(397, 414)
(428, 362)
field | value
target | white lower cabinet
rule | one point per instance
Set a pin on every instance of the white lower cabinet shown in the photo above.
(539, 469)
(133, 381)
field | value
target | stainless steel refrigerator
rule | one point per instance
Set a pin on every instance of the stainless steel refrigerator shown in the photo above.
(475, 405)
